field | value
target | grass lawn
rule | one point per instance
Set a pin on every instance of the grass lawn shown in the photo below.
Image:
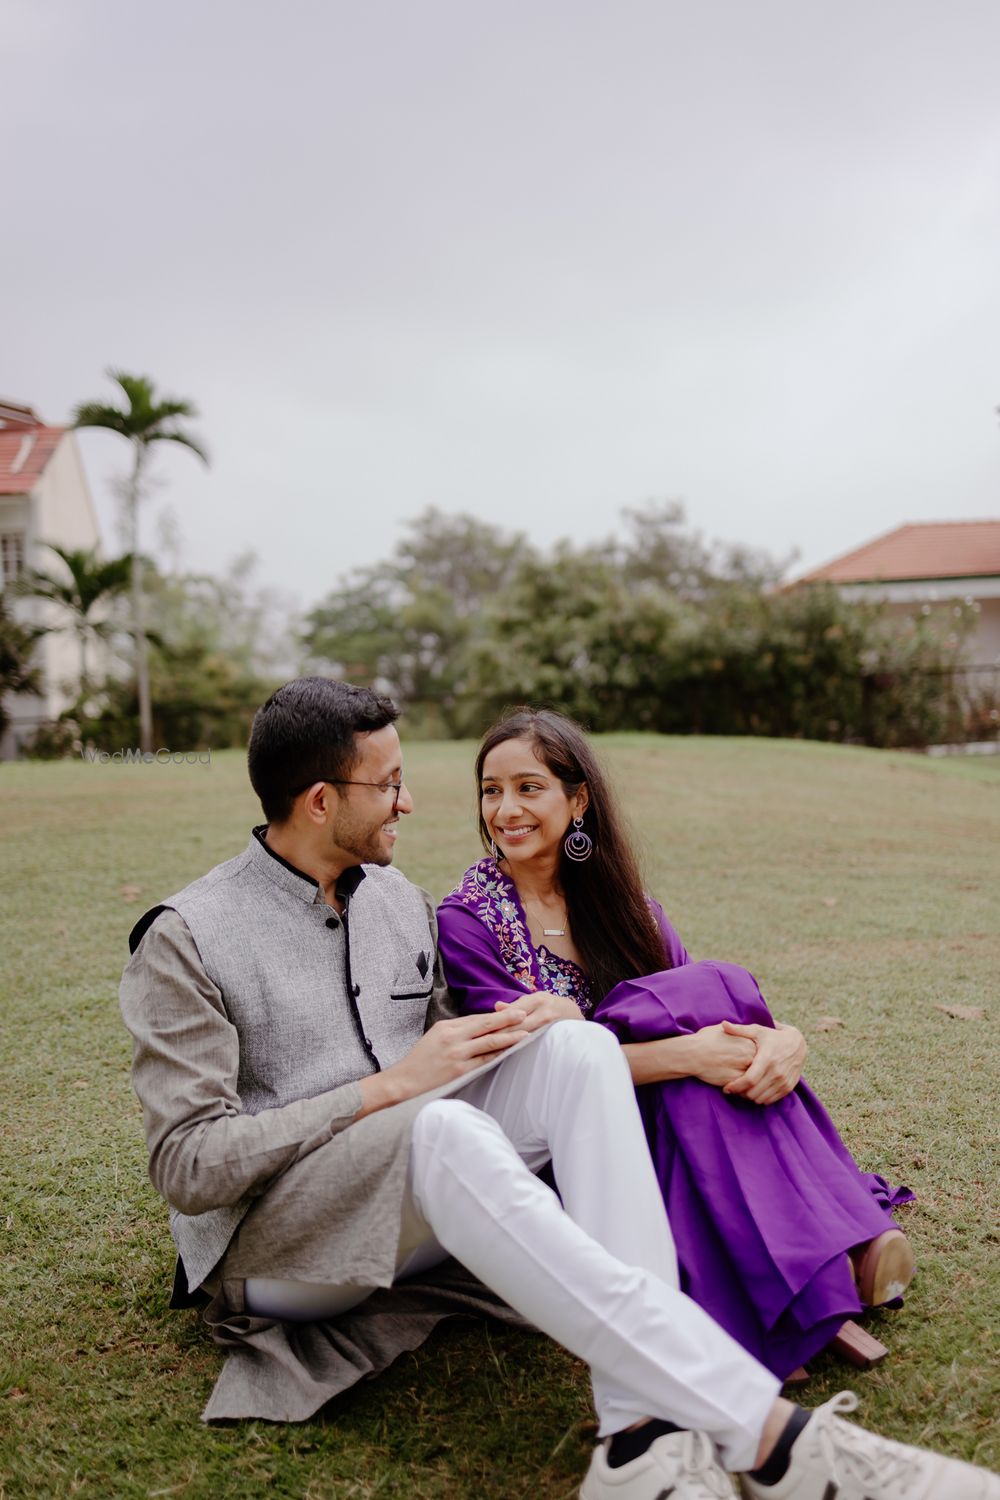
(856, 884)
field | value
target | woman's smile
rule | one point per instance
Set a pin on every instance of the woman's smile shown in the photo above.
(524, 802)
(521, 831)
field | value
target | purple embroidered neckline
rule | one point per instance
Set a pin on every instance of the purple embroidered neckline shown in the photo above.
(493, 897)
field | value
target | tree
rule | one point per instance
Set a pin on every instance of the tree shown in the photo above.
(91, 584)
(217, 649)
(652, 629)
(659, 552)
(574, 632)
(466, 559)
(408, 625)
(17, 675)
(144, 420)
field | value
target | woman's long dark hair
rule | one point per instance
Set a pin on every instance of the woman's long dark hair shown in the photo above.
(613, 928)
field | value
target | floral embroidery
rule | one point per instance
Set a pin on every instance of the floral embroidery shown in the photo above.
(492, 897)
(563, 977)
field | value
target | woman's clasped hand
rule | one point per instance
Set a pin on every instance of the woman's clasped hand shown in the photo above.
(777, 1065)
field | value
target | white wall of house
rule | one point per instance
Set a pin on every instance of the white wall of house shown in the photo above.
(982, 648)
(64, 509)
(63, 513)
(988, 632)
(58, 509)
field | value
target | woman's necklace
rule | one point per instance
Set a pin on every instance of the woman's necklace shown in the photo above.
(547, 931)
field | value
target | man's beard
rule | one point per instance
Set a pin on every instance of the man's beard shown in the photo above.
(364, 843)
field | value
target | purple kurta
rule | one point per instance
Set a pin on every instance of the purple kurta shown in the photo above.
(763, 1201)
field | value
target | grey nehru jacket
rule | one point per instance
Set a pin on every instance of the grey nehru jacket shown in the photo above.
(254, 1009)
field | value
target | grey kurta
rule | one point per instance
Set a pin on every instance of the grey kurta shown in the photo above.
(254, 1008)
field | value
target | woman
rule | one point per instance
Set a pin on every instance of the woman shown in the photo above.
(779, 1235)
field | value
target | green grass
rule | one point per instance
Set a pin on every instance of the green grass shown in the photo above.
(854, 883)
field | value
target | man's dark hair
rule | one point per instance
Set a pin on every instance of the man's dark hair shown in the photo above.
(305, 733)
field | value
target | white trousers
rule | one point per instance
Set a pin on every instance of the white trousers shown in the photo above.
(597, 1272)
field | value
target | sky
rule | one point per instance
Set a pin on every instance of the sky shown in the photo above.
(532, 261)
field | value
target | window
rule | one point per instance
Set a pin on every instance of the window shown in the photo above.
(11, 557)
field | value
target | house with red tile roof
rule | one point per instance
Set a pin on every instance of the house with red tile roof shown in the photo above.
(926, 564)
(43, 498)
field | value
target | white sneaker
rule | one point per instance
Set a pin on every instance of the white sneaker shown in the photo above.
(682, 1465)
(834, 1460)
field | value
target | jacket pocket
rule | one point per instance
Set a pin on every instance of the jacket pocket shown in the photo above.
(414, 977)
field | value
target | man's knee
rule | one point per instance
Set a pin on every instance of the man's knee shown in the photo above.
(455, 1146)
(581, 1041)
(445, 1122)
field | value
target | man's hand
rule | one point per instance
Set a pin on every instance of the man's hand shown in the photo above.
(777, 1067)
(541, 1007)
(447, 1050)
(721, 1059)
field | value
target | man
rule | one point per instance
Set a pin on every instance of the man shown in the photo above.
(322, 1128)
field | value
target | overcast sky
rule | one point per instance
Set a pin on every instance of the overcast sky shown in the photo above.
(535, 261)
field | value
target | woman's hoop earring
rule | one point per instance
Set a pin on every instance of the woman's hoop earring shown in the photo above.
(494, 851)
(578, 845)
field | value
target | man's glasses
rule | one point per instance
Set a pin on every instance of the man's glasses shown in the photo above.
(380, 786)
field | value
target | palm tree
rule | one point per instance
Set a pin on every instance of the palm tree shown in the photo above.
(143, 421)
(90, 583)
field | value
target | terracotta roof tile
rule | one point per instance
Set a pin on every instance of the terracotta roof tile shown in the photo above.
(924, 549)
(24, 452)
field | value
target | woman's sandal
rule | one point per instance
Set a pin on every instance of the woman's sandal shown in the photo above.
(883, 1268)
(858, 1347)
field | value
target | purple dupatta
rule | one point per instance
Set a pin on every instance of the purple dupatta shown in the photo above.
(764, 1201)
